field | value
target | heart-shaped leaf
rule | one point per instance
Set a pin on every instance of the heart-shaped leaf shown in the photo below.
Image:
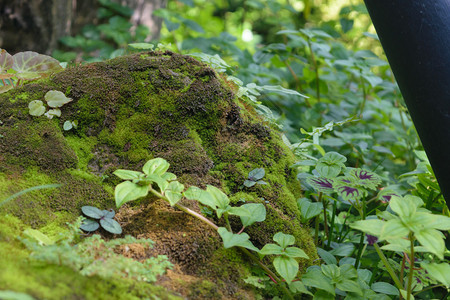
(287, 267)
(36, 108)
(256, 213)
(129, 191)
(111, 225)
(219, 197)
(56, 98)
(284, 240)
(233, 240)
(308, 210)
(89, 225)
(156, 166)
(330, 164)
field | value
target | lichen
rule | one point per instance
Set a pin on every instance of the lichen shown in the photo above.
(129, 110)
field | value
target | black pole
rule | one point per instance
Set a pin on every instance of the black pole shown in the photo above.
(415, 35)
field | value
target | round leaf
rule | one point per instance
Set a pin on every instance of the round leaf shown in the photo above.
(92, 212)
(67, 125)
(53, 113)
(89, 225)
(257, 213)
(56, 98)
(156, 166)
(256, 174)
(31, 65)
(36, 108)
(111, 225)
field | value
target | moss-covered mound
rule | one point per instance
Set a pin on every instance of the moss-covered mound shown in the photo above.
(129, 110)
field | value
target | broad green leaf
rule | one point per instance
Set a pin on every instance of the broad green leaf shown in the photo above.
(142, 46)
(162, 184)
(109, 213)
(271, 249)
(92, 212)
(53, 113)
(372, 226)
(256, 174)
(249, 183)
(404, 207)
(295, 252)
(6, 63)
(299, 287)
(308, 210)
(314, 278)
(235, 240)
(284, 240)
(56, 98)
(287, 267)
(385, 288)
(397, 244)
(111, 225)
(348, 270)
(326, 256)
(128, 191)
(127, 174)
(330, 164)
(432, 240)
(423, 220)
(348, 285)
(169, 176)
(36, 108)
(393, 229)
(202, 196)
(173, 192)
(345, 249)
(440, 272)
(220, 199)
(331, 271)
(256, 213)
(41, 238)
(11, 295)
(89, 225)
(156, 166)
(31, 65)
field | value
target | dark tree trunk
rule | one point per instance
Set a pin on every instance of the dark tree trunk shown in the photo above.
(37, 25)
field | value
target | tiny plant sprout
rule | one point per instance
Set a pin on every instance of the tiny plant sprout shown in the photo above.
(254, 177)
(104, 217)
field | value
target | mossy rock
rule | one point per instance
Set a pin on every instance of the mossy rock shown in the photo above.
(129, 110)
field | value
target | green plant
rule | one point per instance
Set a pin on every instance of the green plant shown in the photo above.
(255, 176)
(138, 184)
(104, 217)
(93, 255)
(54, 99)
(24, 66)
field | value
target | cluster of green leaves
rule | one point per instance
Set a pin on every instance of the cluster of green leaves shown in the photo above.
(24, 66)
(93, 255)
(105, 218)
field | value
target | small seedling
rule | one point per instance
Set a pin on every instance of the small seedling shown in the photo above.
(254, 177)
(105, 218)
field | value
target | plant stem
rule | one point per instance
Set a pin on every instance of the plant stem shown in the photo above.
(227, 222)
(388, 266)
(411, 267)
(316, 71)
(362, 211)
(332, 224)
(364, 96)
(325, 224)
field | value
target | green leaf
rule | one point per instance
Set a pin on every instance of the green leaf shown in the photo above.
(308, 210)
(321, 184)
(36, 108)
(162, 184)
(31, 65)
(314, 278)
(11, 295)
(440, 272)
(348, 285)
(330, 164)
(156, 166)
(327, 257)
(6, 63)
(249, 183)
(169, 176)
(284, 240)
(287, 267)
(295, 252)
(128, 191)
(372, 226)
(279, 89)
(142, 46)
(111, 225)
(432, 240)
(67, 125)
(404, 207)
(393, 229)
(202, 196)
(345, 249)
(365, 178)
(271, 249)
(41, 238)
(385, 288)
(56, 99)
(256, 174)
(173, 192)
(89, 225)
(92, 212)
(299, 287)
(255, 212)
(235, 240)
(127, 174)
(53, 113)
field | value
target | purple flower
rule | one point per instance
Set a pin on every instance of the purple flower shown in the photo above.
(371, 239)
